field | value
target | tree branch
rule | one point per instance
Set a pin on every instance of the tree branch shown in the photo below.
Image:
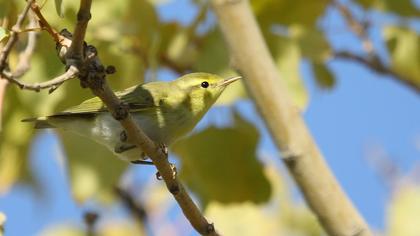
(251, 57)
(378, 67)
(372, 60)
(137, 210)
(13, 36)
(52, 84)
(25, 57)
(3, 84)
(93, 75)
(357, 27)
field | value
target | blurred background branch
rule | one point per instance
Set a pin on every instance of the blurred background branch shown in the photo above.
(252, 59)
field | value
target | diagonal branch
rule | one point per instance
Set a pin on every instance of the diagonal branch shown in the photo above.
(358, 28)
(301, 155)
(93, 75)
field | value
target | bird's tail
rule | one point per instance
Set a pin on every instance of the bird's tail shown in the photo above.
(40, 122)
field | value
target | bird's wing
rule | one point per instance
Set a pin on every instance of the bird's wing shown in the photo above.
(137, 98)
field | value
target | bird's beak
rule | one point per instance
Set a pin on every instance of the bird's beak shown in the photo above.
(228, 81)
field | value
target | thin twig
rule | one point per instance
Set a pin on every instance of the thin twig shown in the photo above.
(52, 84)
(44, 23)
(3, 83)
(372, 60)
(136, 209)
(90, 219)
(24, 57)
(378, 67)
(359, 28)
(13, 36)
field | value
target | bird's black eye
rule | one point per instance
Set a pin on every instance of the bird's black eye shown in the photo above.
(205, 84)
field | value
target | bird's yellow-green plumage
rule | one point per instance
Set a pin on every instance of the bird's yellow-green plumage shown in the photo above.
(164, 110)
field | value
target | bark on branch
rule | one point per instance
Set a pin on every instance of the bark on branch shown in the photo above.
(305, 162)
(92, 74)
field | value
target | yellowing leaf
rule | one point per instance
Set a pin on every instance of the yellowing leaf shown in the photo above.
(404, 212)
(119, 228)
(241, 219)
(2, 222)
(219, 164)
(62, 230)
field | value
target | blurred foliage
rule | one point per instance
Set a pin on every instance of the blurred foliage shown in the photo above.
(110, 228)
(219, 165)
(404, 211)
(2, 222)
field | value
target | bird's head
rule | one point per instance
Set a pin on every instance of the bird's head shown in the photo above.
(203, 89)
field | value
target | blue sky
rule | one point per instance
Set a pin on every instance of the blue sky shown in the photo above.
(364, 110)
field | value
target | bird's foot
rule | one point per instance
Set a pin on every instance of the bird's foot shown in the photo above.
(174, 172)
(142, 162)
(122, 147)
(123, 136)
(163, 148)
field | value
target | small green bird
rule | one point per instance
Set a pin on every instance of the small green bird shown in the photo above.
(164, 110)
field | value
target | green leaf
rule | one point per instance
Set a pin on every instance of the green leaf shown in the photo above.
(366, 3)
(323, 76)
(213, 55)
(142, 21)
(404, 8)
(94, 170)
(59, 7)
(287, 55)
(5, 7)
(3, 33)
(180, 49)
(311, 41)
(404, 49)
(219, 164)
(287, 12)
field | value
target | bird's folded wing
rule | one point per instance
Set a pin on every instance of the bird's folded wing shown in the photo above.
(138, 100)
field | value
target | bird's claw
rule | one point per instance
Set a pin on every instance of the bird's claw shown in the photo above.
(123, 136)
(142, 162)
(174, 172)
(163, 148)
